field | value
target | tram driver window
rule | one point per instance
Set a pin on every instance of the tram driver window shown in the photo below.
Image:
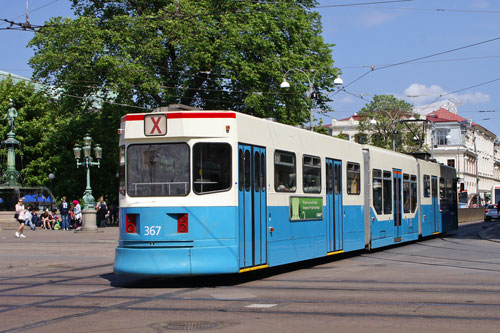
(312, 174)
(158, 170)
(211, 167)
(353, 178)
(284, 172)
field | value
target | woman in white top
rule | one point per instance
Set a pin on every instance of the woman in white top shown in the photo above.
(77, 210)
(21, 216)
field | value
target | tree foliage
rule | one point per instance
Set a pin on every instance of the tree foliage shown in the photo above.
(47, 134)
(385, 119)
(33, 130)
(132, 56)
(210, 54)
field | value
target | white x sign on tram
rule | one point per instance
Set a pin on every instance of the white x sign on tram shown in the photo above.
(155, 124)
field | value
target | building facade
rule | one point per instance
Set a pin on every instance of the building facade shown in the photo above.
(455, 141)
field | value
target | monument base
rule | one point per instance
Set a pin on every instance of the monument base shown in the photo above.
(89, 221)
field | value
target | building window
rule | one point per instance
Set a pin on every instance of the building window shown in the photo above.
(451, 163)
(441, 137)
(361, 138)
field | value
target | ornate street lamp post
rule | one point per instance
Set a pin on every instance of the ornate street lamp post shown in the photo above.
(52, 177)
(89, 218)
(310, 93)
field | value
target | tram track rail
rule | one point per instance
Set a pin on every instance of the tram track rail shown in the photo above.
(308, 291)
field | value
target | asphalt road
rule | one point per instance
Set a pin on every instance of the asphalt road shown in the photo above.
(57, 281)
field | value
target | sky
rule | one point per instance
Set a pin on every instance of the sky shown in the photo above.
(416, 50)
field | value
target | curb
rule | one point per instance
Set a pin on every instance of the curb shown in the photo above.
(483, 234)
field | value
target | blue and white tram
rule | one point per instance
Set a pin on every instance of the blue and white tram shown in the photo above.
(213, 192)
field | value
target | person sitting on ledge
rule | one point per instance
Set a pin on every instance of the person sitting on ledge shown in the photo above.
(47, 220)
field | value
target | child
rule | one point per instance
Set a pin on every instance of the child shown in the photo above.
(56, 220)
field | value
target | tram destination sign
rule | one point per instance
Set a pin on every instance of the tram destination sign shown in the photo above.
(306, 208)
(155, 124)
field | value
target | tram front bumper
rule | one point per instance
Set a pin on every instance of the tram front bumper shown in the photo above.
(175, 261)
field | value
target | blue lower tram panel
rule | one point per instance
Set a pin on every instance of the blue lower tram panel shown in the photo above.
(289, 242)
(175, 261)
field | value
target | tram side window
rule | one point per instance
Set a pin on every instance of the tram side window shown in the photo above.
(211, 167)
(353, 178)
(158, 170)
(414, 198)
(377, 190)
(442, 188)
(121, 171)
(285, 179)
(434, 188)
(406, 193)
(449, 188)
(312, 174)
(427, 186)
(387, 192)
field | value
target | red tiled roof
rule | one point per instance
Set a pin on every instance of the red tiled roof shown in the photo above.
(443, 115)
(355, 117)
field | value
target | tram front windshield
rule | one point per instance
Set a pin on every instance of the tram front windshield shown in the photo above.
(158, 170)
(163, 169)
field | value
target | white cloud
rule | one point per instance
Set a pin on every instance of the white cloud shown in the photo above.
(347, 99)
(420, 94)
(374, 18)
(480, 4)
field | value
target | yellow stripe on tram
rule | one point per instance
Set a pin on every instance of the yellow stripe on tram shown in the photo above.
(435, 233)
(336, 252)
(253, 268)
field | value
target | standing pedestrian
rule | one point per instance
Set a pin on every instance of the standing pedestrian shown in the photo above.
(102, 211)
(21, 216)
(77, 211)
(64, 210)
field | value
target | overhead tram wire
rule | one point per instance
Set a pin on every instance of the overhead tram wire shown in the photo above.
(470, 87)
(373, 68)
(425, 62)
(441, 10)
(232, 12)
(31, 11)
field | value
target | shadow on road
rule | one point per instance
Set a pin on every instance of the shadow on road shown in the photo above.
(477, 230)
(212, 281)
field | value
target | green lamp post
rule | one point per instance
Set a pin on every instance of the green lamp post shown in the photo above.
(88, 161)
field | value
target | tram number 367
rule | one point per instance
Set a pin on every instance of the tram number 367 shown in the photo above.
(152, 230)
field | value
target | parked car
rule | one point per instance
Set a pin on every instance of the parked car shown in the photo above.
(491, 212)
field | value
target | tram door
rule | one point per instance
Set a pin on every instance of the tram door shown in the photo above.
(435, 207)
(396, 180)
(334, 205)
(252, 206)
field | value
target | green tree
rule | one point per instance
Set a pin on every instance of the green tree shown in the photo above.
(33, 106)
(47, 135)
(384, 122)
(210, 54)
